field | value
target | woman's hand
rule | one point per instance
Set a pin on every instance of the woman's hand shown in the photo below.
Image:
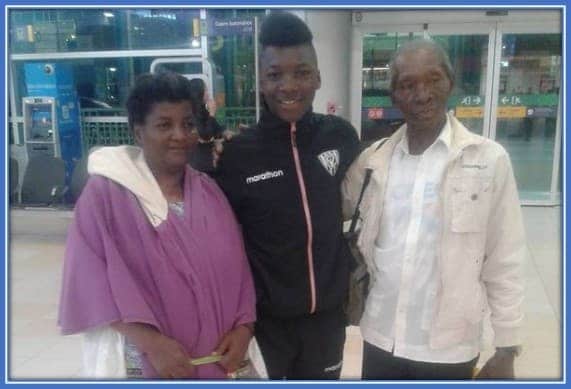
(233, 347)
(168, 357)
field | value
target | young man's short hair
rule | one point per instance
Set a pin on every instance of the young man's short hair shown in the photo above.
(284, 29)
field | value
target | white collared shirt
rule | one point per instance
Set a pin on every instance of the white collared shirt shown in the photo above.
(403, 299)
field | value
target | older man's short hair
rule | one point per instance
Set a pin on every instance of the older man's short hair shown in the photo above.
(417, 45)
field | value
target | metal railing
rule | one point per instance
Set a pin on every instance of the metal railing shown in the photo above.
(232, 117)
(108, 127)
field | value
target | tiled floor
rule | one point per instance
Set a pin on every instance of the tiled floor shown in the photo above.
(37, 351)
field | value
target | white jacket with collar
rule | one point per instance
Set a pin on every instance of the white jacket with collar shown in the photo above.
(483, 247)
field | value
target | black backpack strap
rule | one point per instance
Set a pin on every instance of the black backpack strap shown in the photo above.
(366, 180)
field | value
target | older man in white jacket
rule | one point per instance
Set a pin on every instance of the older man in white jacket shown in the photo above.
(442, 235)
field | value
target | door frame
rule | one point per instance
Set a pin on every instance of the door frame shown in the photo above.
(206, 74)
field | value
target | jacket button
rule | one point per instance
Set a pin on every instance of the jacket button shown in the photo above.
(474, 197)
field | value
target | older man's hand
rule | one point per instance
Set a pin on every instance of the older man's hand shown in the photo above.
(499, 366)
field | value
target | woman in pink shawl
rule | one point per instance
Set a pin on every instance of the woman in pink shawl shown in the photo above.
(154, 265)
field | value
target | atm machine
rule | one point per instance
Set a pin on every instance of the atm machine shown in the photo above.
(40, 127)
(51, 113)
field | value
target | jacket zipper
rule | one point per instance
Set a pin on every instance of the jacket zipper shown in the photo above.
(305, 204)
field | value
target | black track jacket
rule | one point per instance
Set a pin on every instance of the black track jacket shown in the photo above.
(284, 183)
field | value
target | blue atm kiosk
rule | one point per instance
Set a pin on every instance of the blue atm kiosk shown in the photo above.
(51, 113)
(40, 125)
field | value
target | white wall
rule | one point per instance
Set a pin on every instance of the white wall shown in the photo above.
(332, 40)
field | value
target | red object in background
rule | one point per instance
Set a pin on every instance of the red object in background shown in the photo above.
(375, 113)
(331, 108)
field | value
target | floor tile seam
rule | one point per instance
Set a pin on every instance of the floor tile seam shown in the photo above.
(536, 269)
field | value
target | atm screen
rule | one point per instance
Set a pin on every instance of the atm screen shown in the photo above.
(41, 128)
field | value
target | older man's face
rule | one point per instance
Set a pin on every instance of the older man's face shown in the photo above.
(421, 89)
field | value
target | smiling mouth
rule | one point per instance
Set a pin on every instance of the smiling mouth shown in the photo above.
(289, 102)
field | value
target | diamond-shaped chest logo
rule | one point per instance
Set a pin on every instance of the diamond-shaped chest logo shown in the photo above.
(330, 161)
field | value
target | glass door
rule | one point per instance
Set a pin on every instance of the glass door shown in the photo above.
(470, 47)
(527, 101)
(508, 80)
(469, 54)
(379, 118)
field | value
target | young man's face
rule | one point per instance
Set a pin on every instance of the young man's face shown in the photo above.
(288, 80)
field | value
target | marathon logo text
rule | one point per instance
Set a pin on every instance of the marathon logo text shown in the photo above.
(264, 176)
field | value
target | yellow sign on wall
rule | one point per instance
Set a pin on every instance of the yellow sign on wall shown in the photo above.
(469, 112)
(512, 112)
(506, 112)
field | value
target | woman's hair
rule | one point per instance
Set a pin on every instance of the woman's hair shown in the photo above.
(198, 88)
(150, 89)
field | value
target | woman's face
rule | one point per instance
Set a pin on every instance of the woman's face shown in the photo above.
(167, 136)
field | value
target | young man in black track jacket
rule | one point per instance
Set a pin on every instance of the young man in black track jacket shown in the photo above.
(283, 179)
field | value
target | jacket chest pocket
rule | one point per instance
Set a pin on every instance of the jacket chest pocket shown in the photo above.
(471, 198)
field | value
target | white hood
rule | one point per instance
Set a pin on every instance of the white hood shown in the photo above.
(126, 166)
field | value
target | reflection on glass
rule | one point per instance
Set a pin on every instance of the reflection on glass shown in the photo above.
(468, 54)
(102, 86)
(65, 30)
(530, 79)
(379, 118)
(469, 57)
(101, 83)
(104, 83)
(231, 49)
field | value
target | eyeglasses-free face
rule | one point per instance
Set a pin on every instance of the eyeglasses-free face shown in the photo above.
(168, 135)
(288, 80)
